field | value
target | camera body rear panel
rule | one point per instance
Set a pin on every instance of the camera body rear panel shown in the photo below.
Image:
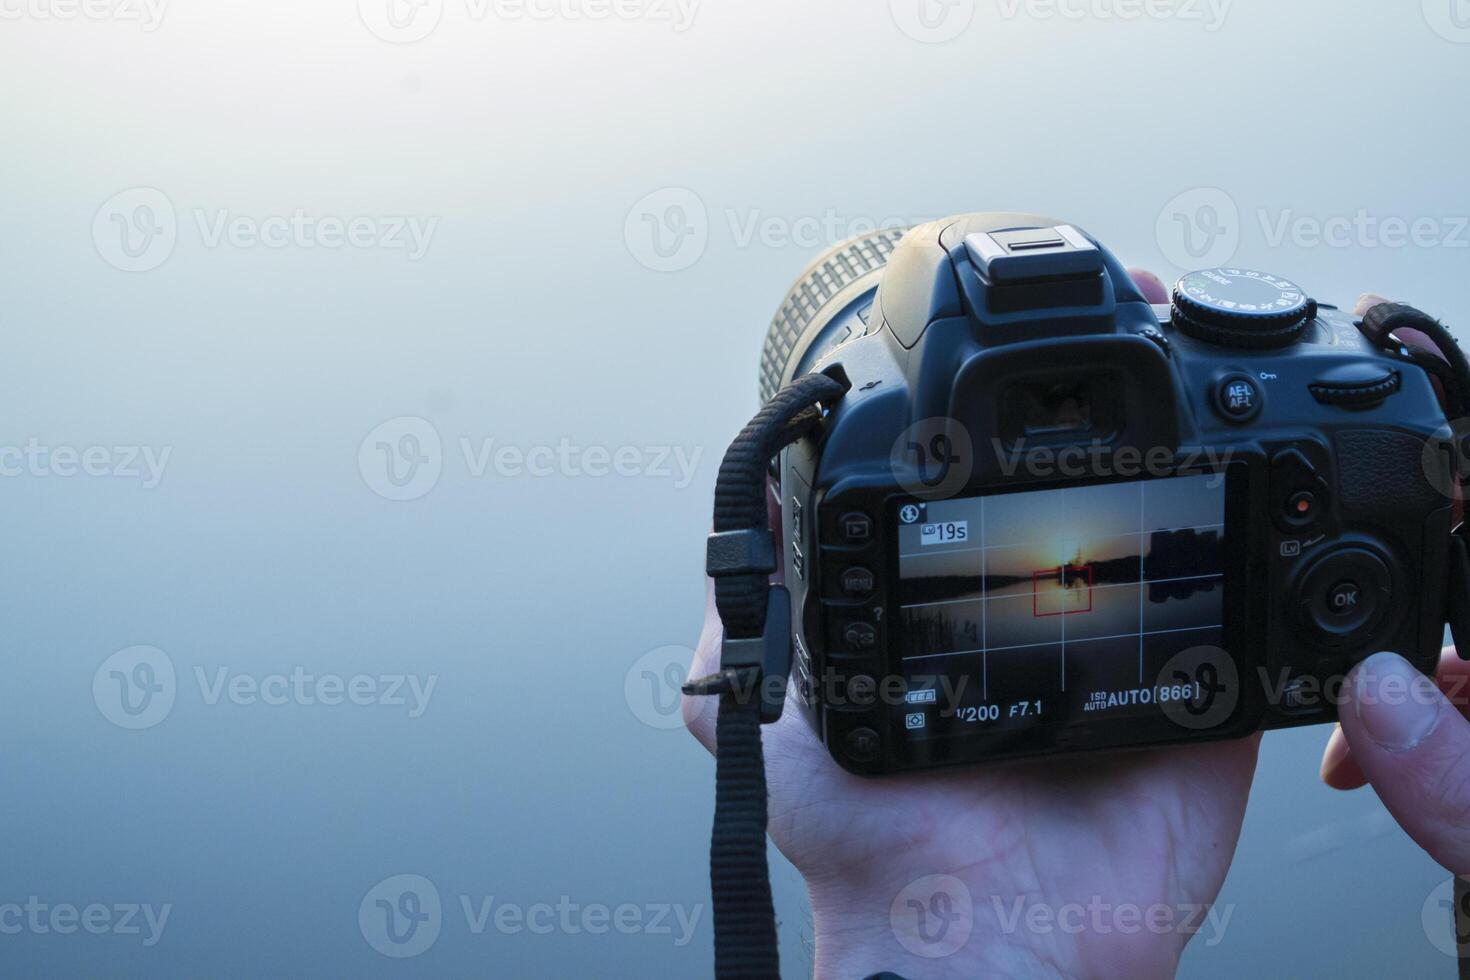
(1049, 517)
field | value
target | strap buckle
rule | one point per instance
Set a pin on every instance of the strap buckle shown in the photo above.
(748, 551)
(756, 667)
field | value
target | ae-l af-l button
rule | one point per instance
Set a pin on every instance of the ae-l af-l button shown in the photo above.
(1238, 397)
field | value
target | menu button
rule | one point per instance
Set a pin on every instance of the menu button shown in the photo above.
(857, 582)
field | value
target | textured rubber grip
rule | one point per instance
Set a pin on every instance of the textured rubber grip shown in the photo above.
(832, 271)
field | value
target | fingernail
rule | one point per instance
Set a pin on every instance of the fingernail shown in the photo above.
(1394, 701)
(1366, 302)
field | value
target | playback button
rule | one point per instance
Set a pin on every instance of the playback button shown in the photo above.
(856, 527)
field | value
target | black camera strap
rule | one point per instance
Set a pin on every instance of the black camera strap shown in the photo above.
(755, 661)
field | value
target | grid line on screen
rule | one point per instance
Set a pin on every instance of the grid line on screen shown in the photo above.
(1069, 562)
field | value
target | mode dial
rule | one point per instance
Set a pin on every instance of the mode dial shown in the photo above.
(1241, 308)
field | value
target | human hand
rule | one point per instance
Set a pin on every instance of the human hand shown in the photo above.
(1095, 843)
(1121, 833)
(1409, 745)
(1408, 737)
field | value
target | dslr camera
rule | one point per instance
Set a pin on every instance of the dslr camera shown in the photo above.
(1047, 516)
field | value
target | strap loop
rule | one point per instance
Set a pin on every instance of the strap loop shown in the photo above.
(1382, 321)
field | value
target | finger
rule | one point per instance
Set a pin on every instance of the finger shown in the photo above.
(1341, 771)
(1414, 747)
(1150, 285)
(1366, 302)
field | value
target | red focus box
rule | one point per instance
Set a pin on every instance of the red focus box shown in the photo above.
(1062, 572)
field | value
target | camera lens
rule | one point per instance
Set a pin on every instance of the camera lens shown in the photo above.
(826, 306)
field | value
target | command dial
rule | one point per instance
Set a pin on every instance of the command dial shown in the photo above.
(1241, 308)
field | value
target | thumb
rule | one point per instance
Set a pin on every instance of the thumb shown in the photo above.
(1414, 748)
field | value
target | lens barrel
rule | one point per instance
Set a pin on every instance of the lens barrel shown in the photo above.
(824, 307)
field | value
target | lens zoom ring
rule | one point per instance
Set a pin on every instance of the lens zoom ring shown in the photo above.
(838, 268)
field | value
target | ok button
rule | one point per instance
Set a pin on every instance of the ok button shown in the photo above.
(1344, 599)
(1345, 596)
